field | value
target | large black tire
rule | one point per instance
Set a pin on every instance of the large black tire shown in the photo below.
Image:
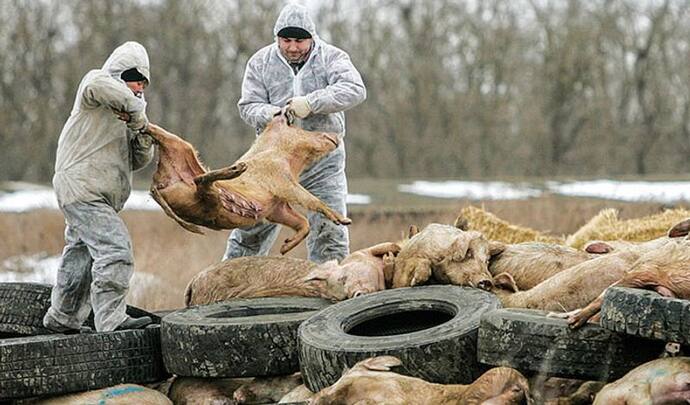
(646, 314)
(432, 329)
(23, 305)
(57, 364)
(237, 338)
(531, 342)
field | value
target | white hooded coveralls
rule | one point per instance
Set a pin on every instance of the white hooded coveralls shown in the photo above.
(331, 85)
(93, 178)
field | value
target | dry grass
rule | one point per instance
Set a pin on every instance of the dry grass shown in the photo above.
(174, 256)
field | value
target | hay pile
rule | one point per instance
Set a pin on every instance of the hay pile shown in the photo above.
(494, 228)
(607, 226)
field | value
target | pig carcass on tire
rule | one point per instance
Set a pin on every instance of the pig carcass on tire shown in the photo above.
(647, 314)
(23, 305)
(531, 342)
(432, 329)
(59, 363)
(236, 338)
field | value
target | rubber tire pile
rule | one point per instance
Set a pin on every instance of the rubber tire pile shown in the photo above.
(36, 363)
(442, 333)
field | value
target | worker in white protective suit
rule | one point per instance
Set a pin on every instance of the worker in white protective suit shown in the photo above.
(96, 155)
(317, 82)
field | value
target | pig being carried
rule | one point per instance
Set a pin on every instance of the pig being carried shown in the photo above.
(262, 184)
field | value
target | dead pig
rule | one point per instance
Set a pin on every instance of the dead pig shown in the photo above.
(661, 381)
(530, 263)
(267, 186)
(571, 288)
(665, 270)
(451, 255)
(264, 390)
(360, 272)
(205, 391)
(122, 394)
(370, 381)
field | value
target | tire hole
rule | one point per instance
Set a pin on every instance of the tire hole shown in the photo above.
(400, 323)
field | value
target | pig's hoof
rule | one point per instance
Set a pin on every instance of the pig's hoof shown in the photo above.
(345, 221)
(561, 315)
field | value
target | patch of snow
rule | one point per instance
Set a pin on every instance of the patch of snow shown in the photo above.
(474, 190)
(44, 198)
(37, 268)
(659, 191)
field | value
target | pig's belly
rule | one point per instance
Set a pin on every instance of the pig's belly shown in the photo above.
(183, 201)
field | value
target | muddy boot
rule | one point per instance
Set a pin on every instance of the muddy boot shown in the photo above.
(135, 323)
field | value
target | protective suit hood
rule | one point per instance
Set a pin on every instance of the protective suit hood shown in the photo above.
(126, 56)
(295, 15)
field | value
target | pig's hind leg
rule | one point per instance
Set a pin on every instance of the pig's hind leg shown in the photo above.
(301, 196)
(225, 173)
(286, 215)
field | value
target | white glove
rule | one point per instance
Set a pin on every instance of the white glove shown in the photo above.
(300, 107)
(144, 140)
(273, 111)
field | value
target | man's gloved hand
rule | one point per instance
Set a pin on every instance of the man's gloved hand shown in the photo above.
(275, 110)
(299, 106)
(143, 139)
(135, 122)
(138, 122)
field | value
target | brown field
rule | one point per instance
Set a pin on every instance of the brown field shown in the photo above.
(165, 250)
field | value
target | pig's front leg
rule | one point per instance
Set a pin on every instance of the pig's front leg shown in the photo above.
(226, 173)
(299, 195)
(384, 248)
(284, 214)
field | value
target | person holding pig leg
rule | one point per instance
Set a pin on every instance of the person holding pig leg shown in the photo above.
(96, 155)
(316, 82)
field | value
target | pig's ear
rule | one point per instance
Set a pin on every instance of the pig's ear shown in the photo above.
(321, 272)
(461, 223)
(598, 247)
(458, 250)
(680, 229)
(496, 247)
(381, 363)
(505, 281)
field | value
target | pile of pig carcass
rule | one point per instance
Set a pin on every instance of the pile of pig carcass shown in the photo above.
(541, 272)
(548, 276)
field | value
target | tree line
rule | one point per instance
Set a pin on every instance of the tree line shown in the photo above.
(455, 88)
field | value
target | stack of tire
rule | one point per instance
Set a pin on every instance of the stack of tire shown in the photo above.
(449, 334)
(634, 329)
(442, 333)
(433, 329)
(34, 362)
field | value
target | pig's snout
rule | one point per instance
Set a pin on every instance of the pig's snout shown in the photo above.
(485, 285)
(239, 396)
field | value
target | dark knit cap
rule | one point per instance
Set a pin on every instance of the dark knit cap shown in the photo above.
(132, 75)
(294, 32)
